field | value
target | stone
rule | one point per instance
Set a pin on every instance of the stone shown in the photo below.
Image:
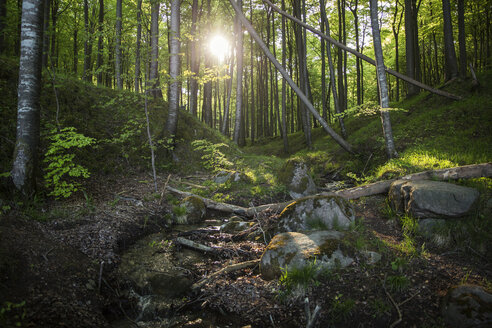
(467, 306)
(428, 227)
(235, 226)
(295, 175)
(317, 213)
(371, 257)
(194, 211)
(227, 176)
(432, 199)
(296, 250)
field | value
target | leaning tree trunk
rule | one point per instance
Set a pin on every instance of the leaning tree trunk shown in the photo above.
(117, 48)
(345, 145)
(382, 83)
(27, 139)
(172, 120)
(449, 51)
(239, 86)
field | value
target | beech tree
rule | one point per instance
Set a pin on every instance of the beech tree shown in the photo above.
(27, 138)
(174, 69)
(117, 48)
(239, 87)
(449, 52)
(154, 50)
(382, 82)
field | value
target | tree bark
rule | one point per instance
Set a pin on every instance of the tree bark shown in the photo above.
(27, 139)
(411, 46)
(46, 32)
(364, 57)
(137, 50)
(298, 91)
(100, 45)
(174, 69)
(253, 107)
(117, 48)
(154, 84)
(449, 51)
(382, 83)
(225, 122)
(284, 87)
(462, 37)
(194, 60)
(87, 43)
(396, 32)
(3, 24)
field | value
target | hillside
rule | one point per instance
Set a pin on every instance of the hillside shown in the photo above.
(109, 255)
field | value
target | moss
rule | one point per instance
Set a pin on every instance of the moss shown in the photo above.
(287, 172)
(329, 246)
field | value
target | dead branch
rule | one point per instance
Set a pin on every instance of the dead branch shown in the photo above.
(227, 269)
(194, 245)
(400, 316)
(311, 318)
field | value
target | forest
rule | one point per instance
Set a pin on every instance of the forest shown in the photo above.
(235, 163)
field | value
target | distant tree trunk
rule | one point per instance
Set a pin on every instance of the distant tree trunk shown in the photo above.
(137, 50)
(3, 24)
(357, 59)
(239, 87)
(411, 46)
(449, 51)
(396, 32)
(253, 108)
(46, 32)
(341, 87)
(194, 59)
(462, 37)
(382, 83)
(332, 72)
(27, 139)
(225, 122)
(154, 84)
(55, 5)
(75, 48)
(100, 44)
(284, 88)
(174, 69)
(207, 88)
(117, 48)
(87, 43)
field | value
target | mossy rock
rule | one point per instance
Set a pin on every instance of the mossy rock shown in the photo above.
(468, 306)
(317, 213)
(193, 211)
(296, 250)
(235, 226)
(295, 176)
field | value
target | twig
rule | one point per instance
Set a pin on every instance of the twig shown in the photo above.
(45, 255)
(259, 223)
(408, 299)
(164, 189)
(194, 245)
(311, 319)
(230, 268)
(370, 156)
(100, 276)
(400, 317)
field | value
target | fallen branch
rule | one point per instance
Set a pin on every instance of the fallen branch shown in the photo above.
(400, 316)
(230, 268)
(194, 245)
(380, 187)
(311, 318)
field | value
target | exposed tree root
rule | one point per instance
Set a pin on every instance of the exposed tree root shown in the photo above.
(230, 268)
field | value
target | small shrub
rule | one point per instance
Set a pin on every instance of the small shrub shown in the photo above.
(212, 158)
(300, 277)
(62, 170)
(398, 283)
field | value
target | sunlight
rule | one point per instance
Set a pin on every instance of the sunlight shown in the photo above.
(219, 47)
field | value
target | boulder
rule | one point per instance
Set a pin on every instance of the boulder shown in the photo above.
(297, 250)
(235, 226)
(467, 306)
(192, 210)
(227, 176)
(316, 213)
(432, 199)
(295, 175)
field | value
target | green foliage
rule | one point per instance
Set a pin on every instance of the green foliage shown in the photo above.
(213, 158)
(12, 314)
(62, 170)
(341, 309)
(179, 210)
(379, 308)
(398, 283)
(399, 264)
(302, 277)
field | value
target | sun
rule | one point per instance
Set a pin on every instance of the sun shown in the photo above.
(219, 47)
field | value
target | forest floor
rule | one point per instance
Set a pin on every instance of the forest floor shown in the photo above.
(63, 272)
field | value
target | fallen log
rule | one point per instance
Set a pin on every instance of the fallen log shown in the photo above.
(230, 268)
(195, 246)
(380, 187)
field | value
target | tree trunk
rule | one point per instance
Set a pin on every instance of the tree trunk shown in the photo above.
(382, 83)
(449, 51)
(174, 69)
(253, 107)
(75, 48)
(194, 60)
(27, 139)
(137, 50)
(55, 4)
(284, 88)
(100, 45)
(46, 32)
(87, 43)
(298, 91)
(229, 94)
(357, 47)
(462, 37)
(117, 48)
(411, 49)
(154, 84)
(396, 32)
(332, 72)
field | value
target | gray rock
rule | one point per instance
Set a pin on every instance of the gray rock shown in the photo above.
(432, 199)
(297, 250)
(371, 257)
(235, 226)
(194, 211)
(317, 213)
(428, 227)
(226, 176)
(295, 175)
(467, 306)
